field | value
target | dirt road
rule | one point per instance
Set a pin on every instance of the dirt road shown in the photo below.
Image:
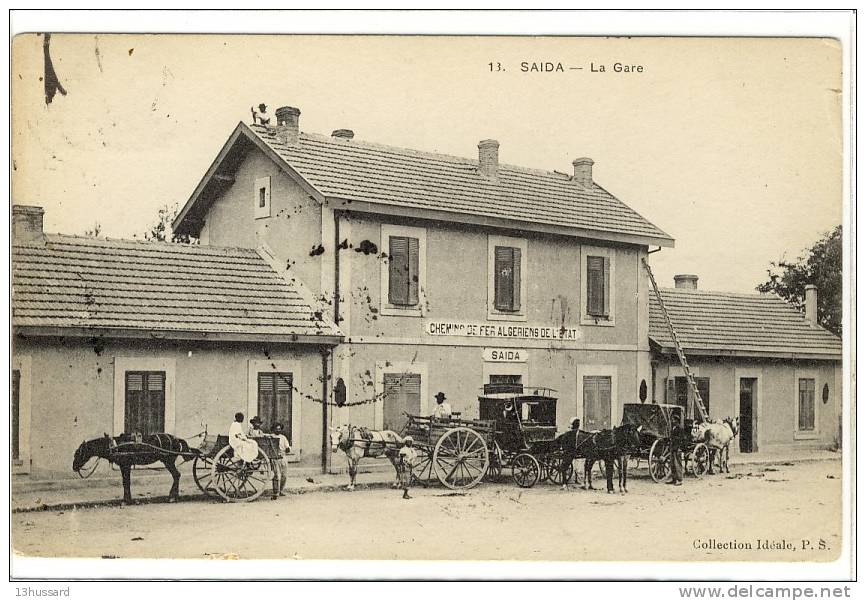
(719, 518)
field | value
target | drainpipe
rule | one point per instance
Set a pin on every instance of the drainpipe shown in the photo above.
(326, 447)
(337, 268)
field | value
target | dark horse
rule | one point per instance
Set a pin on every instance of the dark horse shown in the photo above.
(612, 446)
(127, 450)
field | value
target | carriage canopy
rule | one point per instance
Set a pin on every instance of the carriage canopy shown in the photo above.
(657, 420)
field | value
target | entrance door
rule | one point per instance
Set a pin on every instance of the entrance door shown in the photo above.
(596, 403)
(748, 415)
(402, 395)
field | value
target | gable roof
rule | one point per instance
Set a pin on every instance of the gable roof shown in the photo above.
(134, 288)
(730, 324)
(390, 177)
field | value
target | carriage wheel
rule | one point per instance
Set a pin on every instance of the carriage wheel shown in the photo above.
(699, 460)
(422, 472)
(202, 473)
(525, 470)
(494, 469)
(238, 480)
(460, 458)
(554, 471)
(660, 460)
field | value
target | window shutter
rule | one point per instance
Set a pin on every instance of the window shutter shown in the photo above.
(595, 285)
(413, 251)
(606, 291)
(806, 419)
(398, 270)
(670, 392)
(515, 264)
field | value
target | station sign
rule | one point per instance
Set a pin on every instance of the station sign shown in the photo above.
(505, 355)
(503, 331)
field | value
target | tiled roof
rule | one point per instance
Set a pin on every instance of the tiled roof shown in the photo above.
(739, 324)
(361, 171)
(73, 282)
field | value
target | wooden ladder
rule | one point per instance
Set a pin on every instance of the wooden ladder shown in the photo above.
(699, 401)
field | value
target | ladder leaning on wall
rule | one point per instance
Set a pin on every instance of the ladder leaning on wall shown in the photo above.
(699, 402)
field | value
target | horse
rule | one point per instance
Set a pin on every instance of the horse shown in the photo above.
(717, 435)
(612, 446)
(127, 450)
(357, 442)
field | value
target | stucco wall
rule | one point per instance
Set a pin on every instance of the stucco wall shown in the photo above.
(73, 391)
(777, 395)
(292, 230)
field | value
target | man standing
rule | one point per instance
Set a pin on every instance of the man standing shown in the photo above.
(406, 461)
(443, 409)
(678, 433)
(282, 464)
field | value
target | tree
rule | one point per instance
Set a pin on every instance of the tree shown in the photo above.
(161, 230)
(821, 267)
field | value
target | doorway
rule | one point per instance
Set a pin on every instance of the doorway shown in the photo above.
(748, 415)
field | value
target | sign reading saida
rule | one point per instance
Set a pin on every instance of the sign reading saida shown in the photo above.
(505, 355)
(502, 331)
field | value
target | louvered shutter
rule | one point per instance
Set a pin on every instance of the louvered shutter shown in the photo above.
(144, 408)
(604, 401)
(595, 285)
(275, 400)
(806, 419)
(412, 264)
(606, 291)
(515, 284)
(402, 395)
(284, 403)
(398, 270)
(267, 400)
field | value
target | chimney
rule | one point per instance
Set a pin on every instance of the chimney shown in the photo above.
(27, 225)
(812, 304)
(686, 281)
(583, 171)
(488, 158)
(348, 134)
(287, 124)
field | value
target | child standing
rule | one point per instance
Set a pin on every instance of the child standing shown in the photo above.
(408, 457)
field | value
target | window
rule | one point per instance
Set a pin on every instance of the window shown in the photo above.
(275, 400)
(679, 392)
(262, 191)
(507, 278)
(806, 404)
(144, 410)
(403, 263)
(403, 275)
(504, 383)
(402, 394)
(596, 403)
(16, 415)
(597, 285)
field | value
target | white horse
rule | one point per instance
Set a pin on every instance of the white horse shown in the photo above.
(357, 443)
(717, 435)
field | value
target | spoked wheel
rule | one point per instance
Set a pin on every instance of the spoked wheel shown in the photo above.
(660, 460)
(423, 472)
(699, 460)
(554, 471)
(525, 470)
(494, 469)
(202, 473)
(460, 458)
(238, 480)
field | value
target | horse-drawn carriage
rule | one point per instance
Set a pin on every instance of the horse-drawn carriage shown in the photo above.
(218, 471)
(656, 422)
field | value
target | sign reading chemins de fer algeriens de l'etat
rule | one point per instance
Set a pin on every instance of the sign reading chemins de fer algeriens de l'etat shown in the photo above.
(501, 331)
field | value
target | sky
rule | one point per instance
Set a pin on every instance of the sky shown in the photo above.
(731, 146)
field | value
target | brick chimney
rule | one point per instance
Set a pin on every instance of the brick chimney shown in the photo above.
(812, 304)
(488, 158)
(348, 134)
(583, 171)
(686, 281)
(288, 118)
(27, 225)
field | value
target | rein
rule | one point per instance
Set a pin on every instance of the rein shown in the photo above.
(93, 469)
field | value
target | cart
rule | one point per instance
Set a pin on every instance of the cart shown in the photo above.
(219, 473)
(656, 421)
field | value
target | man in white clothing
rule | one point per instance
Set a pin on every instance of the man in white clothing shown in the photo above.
(443, 409)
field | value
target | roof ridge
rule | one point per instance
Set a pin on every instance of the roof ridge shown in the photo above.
(154, 244)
